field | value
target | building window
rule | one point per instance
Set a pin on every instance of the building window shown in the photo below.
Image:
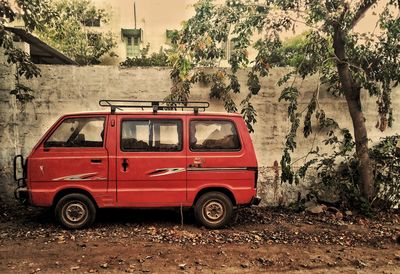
(132, 47)
(92, 22)
(133, 39)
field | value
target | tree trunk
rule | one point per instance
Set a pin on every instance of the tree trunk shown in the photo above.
(352, 94)
(361, 139)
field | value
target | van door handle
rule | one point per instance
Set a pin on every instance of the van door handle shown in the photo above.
(95, 161)
(125, 164)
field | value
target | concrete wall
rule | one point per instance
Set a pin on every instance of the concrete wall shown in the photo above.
(64, 89)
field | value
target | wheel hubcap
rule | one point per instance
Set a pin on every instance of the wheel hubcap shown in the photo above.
(213, 211)
(75, 212)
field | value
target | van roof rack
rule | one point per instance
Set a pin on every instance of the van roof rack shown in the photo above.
(196, 106)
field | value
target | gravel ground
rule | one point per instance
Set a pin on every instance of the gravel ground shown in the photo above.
(259, 240)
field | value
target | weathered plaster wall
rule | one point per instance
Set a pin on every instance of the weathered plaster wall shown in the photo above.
(64, 89)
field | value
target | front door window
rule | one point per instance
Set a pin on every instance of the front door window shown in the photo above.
(78, 132)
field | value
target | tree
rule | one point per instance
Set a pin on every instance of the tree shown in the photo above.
(346, 61)
(72, 31)
(33, 13)
(288, 54)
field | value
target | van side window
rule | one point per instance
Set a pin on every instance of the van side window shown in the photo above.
(78, 132)
(213, 135)
(151, 135)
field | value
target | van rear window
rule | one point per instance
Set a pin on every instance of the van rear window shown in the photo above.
(151, 135)
(78, 132)
(213, 135)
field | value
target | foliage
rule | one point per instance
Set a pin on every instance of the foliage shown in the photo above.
(338, 172)
(386, 160)
(71, 31)
(289, 54)
(33, 13)
(173, 36)
(159, 59)
(345, 61)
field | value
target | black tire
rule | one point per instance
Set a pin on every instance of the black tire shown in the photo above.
(213, 210)
(75, 211)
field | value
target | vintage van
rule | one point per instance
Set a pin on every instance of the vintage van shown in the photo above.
(161, 158)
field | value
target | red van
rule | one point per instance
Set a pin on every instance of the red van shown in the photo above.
(160, 158)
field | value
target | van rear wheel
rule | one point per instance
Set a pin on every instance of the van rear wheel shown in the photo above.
(75, 211)
(213, 210)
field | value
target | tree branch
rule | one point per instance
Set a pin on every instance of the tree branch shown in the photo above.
(361, 11)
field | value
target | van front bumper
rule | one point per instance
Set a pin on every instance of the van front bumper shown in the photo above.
(22, 194)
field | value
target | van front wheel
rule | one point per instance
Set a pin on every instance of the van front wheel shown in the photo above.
(75, 211)
(213, 210)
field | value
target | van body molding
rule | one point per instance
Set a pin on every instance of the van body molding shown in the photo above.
(216, 168)
(166, 171)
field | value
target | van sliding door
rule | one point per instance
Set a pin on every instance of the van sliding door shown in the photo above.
(151, 161)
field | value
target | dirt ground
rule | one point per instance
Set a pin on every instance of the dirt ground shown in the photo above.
(154, 241)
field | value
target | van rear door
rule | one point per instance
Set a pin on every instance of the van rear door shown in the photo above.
(219, 156)
(151, 160)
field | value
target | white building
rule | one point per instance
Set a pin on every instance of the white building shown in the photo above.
(155, 19)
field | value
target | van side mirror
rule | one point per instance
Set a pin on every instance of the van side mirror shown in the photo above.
(19, 168)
